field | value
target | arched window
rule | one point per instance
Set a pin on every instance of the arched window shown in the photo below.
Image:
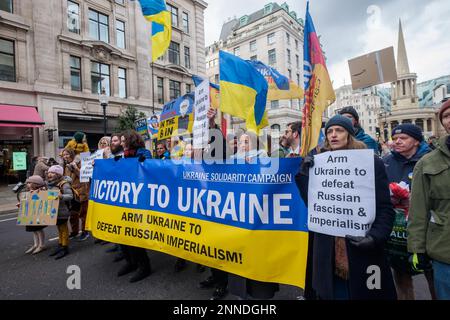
(275, 127)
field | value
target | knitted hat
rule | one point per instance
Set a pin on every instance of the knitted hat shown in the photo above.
(341, 121)
(410, 129)
(56, 169)
(351, 111)
(78, 136)
(36, 180)
(444, 107)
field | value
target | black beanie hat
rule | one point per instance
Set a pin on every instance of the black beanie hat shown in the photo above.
(351, 111)
(410, 129)
(341, 121)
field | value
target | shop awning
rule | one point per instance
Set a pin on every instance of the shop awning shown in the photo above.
(19, 116)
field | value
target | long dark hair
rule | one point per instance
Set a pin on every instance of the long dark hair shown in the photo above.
(133, 140)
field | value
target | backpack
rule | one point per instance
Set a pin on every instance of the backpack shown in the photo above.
(75, 203)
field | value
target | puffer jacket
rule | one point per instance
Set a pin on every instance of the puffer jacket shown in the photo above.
(77, 147)
(66, 190)
(369, 142)
(429, 215)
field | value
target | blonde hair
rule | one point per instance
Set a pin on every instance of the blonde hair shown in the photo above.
(107, 139)
(352, 144)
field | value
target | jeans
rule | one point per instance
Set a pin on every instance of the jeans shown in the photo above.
(442, 280)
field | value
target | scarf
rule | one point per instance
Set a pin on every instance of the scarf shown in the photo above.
(340, 258)
(129, 153)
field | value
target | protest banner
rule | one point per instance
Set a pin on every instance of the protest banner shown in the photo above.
(201, 106)
(87, 164)
(19, 161)
(341, 194)
(177, 117)
(153, 126)
(235, 218)
(38, 208)
(141, 127)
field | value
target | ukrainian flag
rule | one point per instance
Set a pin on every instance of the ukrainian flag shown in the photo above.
(243, 91)
(156, 12)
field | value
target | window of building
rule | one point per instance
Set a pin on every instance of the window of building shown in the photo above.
(174, 89)
(75, 73)
(120, 1)
(7, 61)
(290, 73)
(216, 78)
(253, 45)
(237, 51)
(272, 57)
(122, 73)
(288, 52)
(243, 21)
(73, 17)
(296, 44)
(254, 58)
(6, 5)
(120, 34)
(297, 61)
(185, 22)
(276, 127)
(268, 8)
(298, 79)
(174, 13)
(174, 53)
(288, 38)
(188, 88)
(275, 104)
(271, 38)
(187, 57)
(98, 26)
(100, 78)
(160, 85)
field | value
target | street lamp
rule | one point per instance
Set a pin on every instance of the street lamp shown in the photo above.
(385, 126)
(103, 98)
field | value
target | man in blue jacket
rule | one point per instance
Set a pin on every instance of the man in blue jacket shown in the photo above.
(353, 115)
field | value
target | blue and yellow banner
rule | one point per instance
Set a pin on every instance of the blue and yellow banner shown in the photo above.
(156, 12)
(238, 218)
(243, 91)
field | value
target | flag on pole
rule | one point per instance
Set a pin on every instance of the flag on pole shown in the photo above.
(319, 93)
(280, 86)
(156, 12)
(243, 91)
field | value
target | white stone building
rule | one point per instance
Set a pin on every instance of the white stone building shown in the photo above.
(57, 55)
(274, 36)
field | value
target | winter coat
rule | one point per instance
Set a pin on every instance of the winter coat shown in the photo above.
(399, 169)
(359, 260)
(81, 187)
(429, 215)
(66, 190)
(77, 147)
(368, 140)
(41, 169)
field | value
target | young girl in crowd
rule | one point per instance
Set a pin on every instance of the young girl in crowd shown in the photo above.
(34, 185)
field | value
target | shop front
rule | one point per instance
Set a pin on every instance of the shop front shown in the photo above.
(17, 125)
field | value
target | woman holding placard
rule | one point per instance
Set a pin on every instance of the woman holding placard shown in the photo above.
(351, 268)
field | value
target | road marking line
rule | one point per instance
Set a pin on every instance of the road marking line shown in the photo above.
(15, 218)
(8, 214)
(53, 239)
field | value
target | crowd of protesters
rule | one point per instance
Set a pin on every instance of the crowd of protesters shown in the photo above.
(412, 188)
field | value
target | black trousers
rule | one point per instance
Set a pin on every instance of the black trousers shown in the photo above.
(220, 277)
(136, 256)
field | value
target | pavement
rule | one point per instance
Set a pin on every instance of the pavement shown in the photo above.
(8, 199)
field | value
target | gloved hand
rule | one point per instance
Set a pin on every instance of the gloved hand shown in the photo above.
(367, 242)
(117, 158)
(308, 162)
(141, 158)
(420, 262)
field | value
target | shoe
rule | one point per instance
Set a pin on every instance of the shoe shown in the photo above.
(207, 284)
(200, 268)
(140, 274)
(126, 269)
(180, 265)
(39, 249)
(62, 253)
(114, 248)
(56, 251)
(219, 293)
(31, 249)
(300, 298)
(83, 236)
(73, 235)
(119, 257)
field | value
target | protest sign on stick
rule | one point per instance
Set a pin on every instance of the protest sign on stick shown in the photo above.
(201, 106)
(87, 164)
(341, 193)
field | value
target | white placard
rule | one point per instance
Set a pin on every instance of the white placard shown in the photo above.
(341, 193)
(201, 106)
(87, 160)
